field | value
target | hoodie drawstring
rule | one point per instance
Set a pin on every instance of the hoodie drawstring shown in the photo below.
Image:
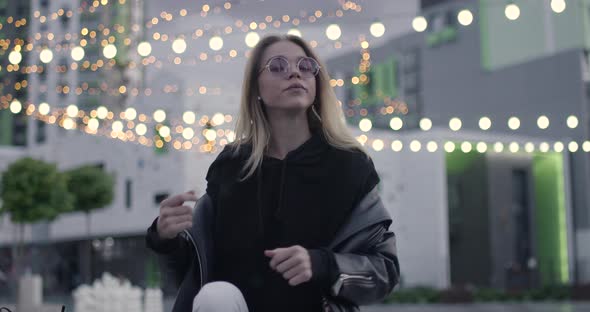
(259, 203)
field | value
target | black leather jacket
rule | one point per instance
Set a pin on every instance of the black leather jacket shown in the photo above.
(364, 248)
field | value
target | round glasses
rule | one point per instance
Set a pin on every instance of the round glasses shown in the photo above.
(279, 66)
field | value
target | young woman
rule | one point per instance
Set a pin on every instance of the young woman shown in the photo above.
(291, 219)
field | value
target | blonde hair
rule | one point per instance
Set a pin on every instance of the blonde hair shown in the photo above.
(252, 126)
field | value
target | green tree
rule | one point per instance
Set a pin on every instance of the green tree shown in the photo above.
(92, 189)
(31, 191)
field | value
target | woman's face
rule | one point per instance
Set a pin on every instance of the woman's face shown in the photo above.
(292, 90)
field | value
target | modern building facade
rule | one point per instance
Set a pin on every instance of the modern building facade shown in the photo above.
(508, 215)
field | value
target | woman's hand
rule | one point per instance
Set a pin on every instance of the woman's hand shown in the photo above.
(174, 216)
(292, 262)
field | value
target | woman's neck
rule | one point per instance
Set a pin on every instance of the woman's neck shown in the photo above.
(287, 133)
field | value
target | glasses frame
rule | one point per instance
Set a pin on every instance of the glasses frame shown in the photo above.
(267, 66)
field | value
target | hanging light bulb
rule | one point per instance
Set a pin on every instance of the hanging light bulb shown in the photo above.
(512, 11)
(252, 39)
(159, 115)
(179, 45)
(16, 106)
(396, 123)
(77, 53)
(215, 43)
(46, 56)
(109, 51)
(365, 124)
(144, 49)
(397, 146)
(455, 124)
(425, 124)
(377, 29)
(419, 23)
(294, 32)
(333, 32)
(15, 57)
(558, 6)
(465, 17)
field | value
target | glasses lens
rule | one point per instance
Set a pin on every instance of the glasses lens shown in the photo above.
(308, 66)
(278, 65)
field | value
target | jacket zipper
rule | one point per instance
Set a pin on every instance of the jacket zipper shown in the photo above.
(344, 278)
(198, 256)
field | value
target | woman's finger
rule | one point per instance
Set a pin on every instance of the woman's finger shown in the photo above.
(292, 272)
(300, 278)
(288, 264)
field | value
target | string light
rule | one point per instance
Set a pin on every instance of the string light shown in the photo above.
(449, 147)
(558, 6)
(481, 147)
(216, 43)
(512, 11)
(419, 23)
(396, 123)
(455, 124)
(77, 53)
(415, 146)
(425, 124)
(15, 57)
(465, 17)
(514, 123)
(378, 145)
(159, 115)
(333, 32)
(179, 46)
(295, 32)
(365, 125)
(46, 56)
(543, 122)
(432, 146)
(144, 48)
(572, 122)
(498, 147)
(377, 29)
(397, 146)
(109, 51)
(16, 106)
(529, 147)
(466, 147)
(558, 147)
(485, 123)
(252, 39)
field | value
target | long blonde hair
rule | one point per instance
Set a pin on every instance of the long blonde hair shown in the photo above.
(252, 126)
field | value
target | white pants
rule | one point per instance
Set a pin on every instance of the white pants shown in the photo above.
(219, 297)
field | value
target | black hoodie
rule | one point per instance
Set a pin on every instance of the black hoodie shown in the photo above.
(300, 200)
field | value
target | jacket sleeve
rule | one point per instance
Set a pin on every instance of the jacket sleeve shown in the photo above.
(365, 264)
(175, 255)
(367, 275)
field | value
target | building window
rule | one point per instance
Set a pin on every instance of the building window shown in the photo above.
(64, 19)
(42, 73)
(41, 132)
(22, 9)
(128, 193)
(158, 198)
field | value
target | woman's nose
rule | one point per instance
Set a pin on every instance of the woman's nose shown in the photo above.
(294, 71)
